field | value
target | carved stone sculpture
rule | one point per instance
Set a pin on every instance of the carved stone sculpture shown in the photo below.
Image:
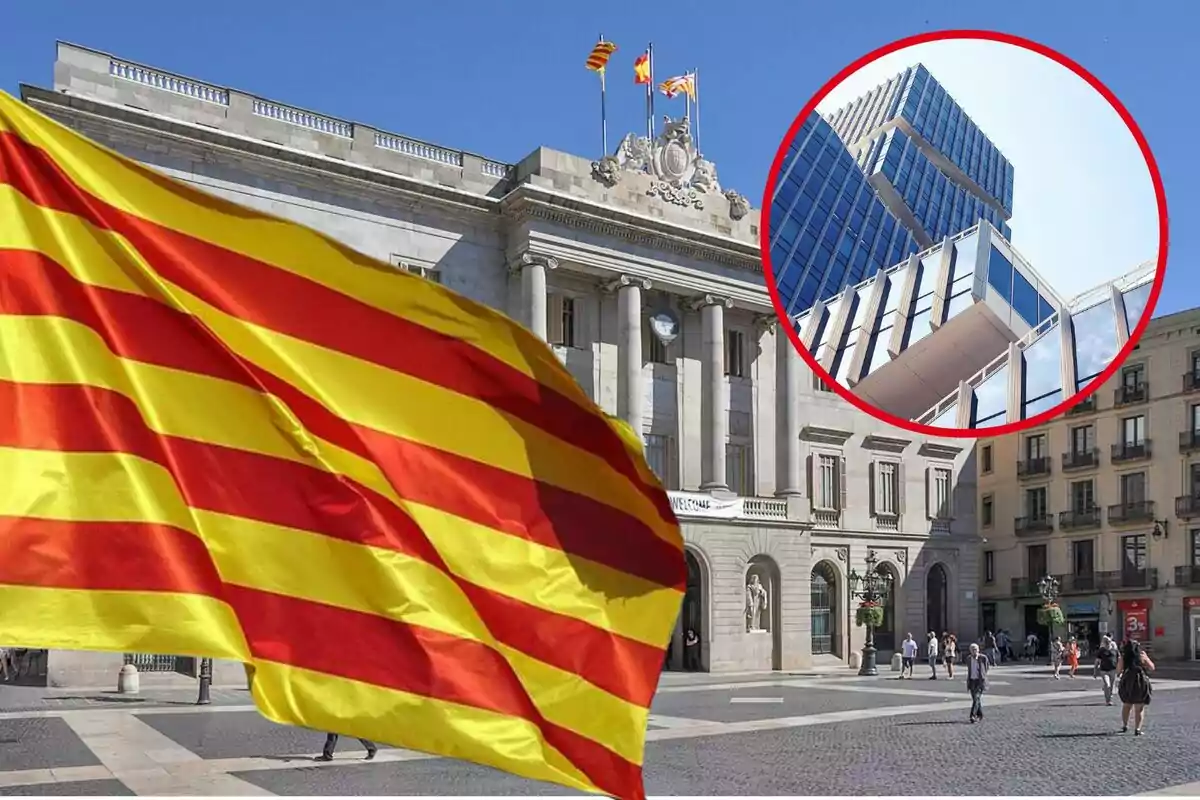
(704, 179)
(756, 603)
(739, 206)
(607, 171)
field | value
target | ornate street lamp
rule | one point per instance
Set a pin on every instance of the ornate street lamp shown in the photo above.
(872, 590)
(1050, 614)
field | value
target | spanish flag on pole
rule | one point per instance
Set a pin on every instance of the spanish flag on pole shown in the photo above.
(641, 69)
(211, 447)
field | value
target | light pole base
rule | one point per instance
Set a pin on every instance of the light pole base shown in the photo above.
(868, 661)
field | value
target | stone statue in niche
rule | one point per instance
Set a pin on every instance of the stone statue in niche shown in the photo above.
(757, 601)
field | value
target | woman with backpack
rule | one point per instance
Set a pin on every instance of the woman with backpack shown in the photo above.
(1134, 685)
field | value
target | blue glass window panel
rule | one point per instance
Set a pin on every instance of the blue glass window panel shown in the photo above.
(788, 283)
(1043, 366)
(895, 289)
(1000, 274)
(948, 418)
(965, 252)
(991, 396)
(959, 304)
(1034, 407)
(919, 328)
(930, 269)
(779, 257)
(803, 206)
(805, 247)
(1045, 310)
(1095, 341)
(1136, 300)
(789, 231)
(1025, 299)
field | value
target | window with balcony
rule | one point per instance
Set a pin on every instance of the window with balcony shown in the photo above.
(1133, 560)
(1191, 378)
(1194, 561)
(1133, 430)
(829, 479)
(1036, 565)
(1082, 452)
(736, 354)
(1133, 489)
(660, 455)
(1083, 558)
(886, 489)
(986, 511)
(1133, 385)
(1036, 507)
(941, 493)
(1082, 506)
(1035, 446)
(562, 320)
(1189, 439)
(739, 469)
(989, 566)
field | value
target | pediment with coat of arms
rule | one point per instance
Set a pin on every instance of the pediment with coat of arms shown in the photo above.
(678, 173)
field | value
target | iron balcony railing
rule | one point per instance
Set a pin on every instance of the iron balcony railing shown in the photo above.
(1131, 451)
(1187, 506)
(1092, 582)
(1028, 526)
(1187, 575)
(1128, 513)
(1085, 406)
(1080, 459)
(1189, 441)
(1033, 466)
(1090, 517)
(1130, 394)
(1191, 381)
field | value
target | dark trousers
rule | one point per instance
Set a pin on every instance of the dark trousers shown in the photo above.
(975, 687)
(331, 741)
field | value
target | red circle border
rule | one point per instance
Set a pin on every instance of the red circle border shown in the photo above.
(1134, 336)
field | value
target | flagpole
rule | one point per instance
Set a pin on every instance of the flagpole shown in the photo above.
(696, 89)
(603, 109)
(650, 92)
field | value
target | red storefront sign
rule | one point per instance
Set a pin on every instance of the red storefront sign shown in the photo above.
(1191, 602)
(1137, 618)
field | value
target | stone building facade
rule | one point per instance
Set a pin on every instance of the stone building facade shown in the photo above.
(1106, 501)
(644, 275)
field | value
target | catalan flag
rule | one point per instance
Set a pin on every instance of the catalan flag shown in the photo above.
(641, 69)
(601, 53)
(212, 446)
(683, 84)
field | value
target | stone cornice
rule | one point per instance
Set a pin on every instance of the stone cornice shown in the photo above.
(526, 202)
(885, 444)
(820, 435)
(157, 125)
(940, 450)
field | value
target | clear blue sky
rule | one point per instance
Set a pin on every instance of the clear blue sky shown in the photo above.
(1054, 128)
(500, 79)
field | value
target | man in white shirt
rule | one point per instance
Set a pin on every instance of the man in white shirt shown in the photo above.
(977, 670)
(908, 656)
(932, 652)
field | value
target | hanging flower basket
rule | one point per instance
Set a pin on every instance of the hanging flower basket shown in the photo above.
(869, 614)
(1050, 615)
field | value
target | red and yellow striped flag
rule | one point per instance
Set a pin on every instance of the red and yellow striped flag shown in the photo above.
(601, 53)
(685, 84)
(212, 446)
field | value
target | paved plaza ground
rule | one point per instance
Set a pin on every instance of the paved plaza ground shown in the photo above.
(761, 734)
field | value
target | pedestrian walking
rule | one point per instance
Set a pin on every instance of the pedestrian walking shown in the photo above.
(1134, 685)
(908, 656)
(1031, 647)
(991, 648)
(331, 740)
(949, 654)
(1106, 666)
(977, 670)
(1056, 656)
(1005, 651)
(931, 651)
(1072, 657)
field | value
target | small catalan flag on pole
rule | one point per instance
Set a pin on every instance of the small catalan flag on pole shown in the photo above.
(643, 74)
(597, 62)
(683, 84)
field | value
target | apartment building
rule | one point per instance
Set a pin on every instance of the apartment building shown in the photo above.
(1106, 500)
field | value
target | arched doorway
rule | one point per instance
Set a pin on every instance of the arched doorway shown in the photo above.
(693, 614)
(885, 634)
(824, 610)
(937, 612)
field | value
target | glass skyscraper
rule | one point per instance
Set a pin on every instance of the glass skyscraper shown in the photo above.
(890, 247)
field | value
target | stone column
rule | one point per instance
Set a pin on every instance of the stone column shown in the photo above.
(788, 476)
(630, 392)
(533, 270)
(714, 411)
